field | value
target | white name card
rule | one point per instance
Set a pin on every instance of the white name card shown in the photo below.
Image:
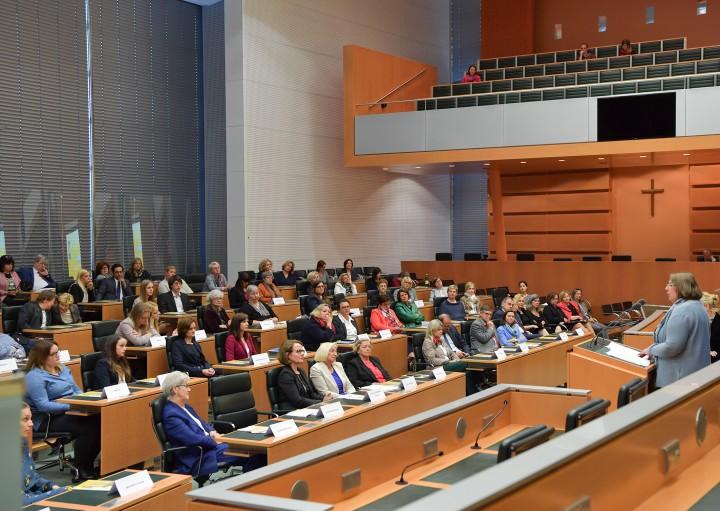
(419, 303)
(200, 335)
(385, 334)
(44, 509)
(363, 337)
(161, 378)
(579, 331)
(563, 336)
(376, 396)
(439, 373)
(8, 365)
(139, 481)
(279, 300)
(267, 324)
(424, 324)
(64, 356)
(116, 391)
(409, 383)
(260, 359)
(500, 354)
(157, 341)
(523, 347)
(332, 410)
(284, 429)
(355, 311)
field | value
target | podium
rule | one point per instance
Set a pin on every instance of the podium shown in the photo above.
(641, 335)
(604, 367)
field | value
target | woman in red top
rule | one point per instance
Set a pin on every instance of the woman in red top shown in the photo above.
(239, 345)
(471, 75)
(362, 368)
(384, 318)
(570, 309)
(625, 48)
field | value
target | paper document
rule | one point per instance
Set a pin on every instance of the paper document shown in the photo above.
(255, 429)
(626, 354)
(303, 412)
(95, 485)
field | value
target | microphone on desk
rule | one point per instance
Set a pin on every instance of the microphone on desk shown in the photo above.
(402, 480)
(488, 424)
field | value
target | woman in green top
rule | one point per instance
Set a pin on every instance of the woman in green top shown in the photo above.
(406, 310)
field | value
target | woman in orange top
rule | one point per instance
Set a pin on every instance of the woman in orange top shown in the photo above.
(268, 289)
(384, 318)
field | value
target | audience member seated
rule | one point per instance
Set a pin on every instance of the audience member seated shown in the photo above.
(710, 302)
(584, 306)
(238, 293)
(406, 284)
(136, 272)
(483, 336)
(349, 267)
(471, 75)
(65, 312)
(522, 292)
(406, 311)
(585, 53)
(437, 290)
(319, 329)
(344, 285)
(625, 48)
(296, 389)
(9, 280)
(346, 328)
(453, 338)
(384, 318)
(323, 275)
(147, 292)
(268, 289)
(327, 374)
(265, 265)
(708, 257)
(136, 328)
(316, 296)
(163, 327)
(113, 368)
(83, 289)
(115, 288)
(37, 276)
(35, 487)
(10, 348)
(286, 276)
(184, 428)
(47, 380)
(510, 333)
(37, 314)
(362, 368)
(531, 330)
(507, 304)
(255, 309)
(187, 356)
(470, 300)
(553, 315)
(532, 315)
(452, 307)
(174, 300)
(375, 277)
(102, 272)
(438, 353)
(383, 288)
(312, 278)
(215, 319)
(570, 310)
(215, 279)
(164, 285)
(239, 344)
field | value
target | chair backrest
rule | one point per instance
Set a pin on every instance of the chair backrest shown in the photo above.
(465, 331)
(168, 351)
(621, 258)
(303, 304)
(194, 278)
(473, 256)
(606, 309)
(200, 313)
(617, 307)
(665, 259)
(88, 362)
(10, 318)
(296, 326)
(562, 259)
(443, 256)
(372, 297)
(102, 332)
(585, 413)
(232, 399)
(366, 314)
(336, 299)
(592, 258)
(272, 388)
(220, 339)
(626, 305)
(417, 342)
(498, 294)
(62, 287)
(100, 342)
(301, 274)
(157, 406)
(197, 287)
(367, 270)
(436, 304)
(523, 440)
(525, 257)
(632, 390)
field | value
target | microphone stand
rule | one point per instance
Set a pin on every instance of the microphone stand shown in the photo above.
(489, 423)
(402, 480)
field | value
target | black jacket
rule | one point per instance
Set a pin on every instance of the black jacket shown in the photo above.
(253, 314)
(313, 335)
(358, 374)
(166, 302)
(188, 358)
(340, 330)
(131, 277)
(106, 290)
(77, 293)
(30, 316)
(296, 391)
(553, 315)
(104, 375)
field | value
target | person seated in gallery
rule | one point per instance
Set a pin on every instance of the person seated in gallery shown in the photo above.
(585, 53)
(164, 285)
(471, 75)
(215, 279)
(175, 300)
(255, 309)
(83, 289)
(510, 333)
(267, 287)
(319, 329)
(37, 276)
(406, 310)
(362, 368)
(215, 319)
(626, 48)
(344, 285)
(136, 273)
(384, 318)
(137, 328)
(452, 307)
(286, 276)
(65, 312)
(554, 317)
(115, 288)
(113, 368)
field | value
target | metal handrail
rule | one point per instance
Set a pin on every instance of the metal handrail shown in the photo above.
(376, 103)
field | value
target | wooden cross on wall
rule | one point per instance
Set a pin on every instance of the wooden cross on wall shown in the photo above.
(652, 191)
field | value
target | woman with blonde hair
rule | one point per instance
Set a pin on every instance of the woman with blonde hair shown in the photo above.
(83, 289)
(438, 353)
(710, 302)
(65, 312)
(147, 292)
(345, 286)
(286, 276)
(469, 299)
(137, 327)
(327, 374)
(136, 272)
(265, 265)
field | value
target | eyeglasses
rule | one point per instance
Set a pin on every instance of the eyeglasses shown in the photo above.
(185, 386)
(54, 354)
(299, 351)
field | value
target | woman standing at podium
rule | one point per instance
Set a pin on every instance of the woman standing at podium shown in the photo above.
(682, 341)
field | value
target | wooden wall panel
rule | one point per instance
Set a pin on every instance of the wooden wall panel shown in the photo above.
(593, 201)
(556, 182)
(569, 243)
(705, 197)
(702, 240)
(572, 222)
(705, 219)
(704, 175)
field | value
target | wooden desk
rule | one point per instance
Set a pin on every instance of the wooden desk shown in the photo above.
(148, 361)
(30, 296)
(287, 311)
(266, 340)
(357, 419)
(172, 318)
(392, 352)
(288, 292)
(589, 367)
(77, 339)
(167, 493)
(73, 365)
(109, 309)
(641, 335)
(360, 286)
(427, 311)
(126, 434)
(202, 298)
(542, 365)
(357, 301)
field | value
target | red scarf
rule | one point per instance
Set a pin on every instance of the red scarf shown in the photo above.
(324, 324)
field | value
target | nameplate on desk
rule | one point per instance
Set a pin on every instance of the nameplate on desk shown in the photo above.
(157, 341)
(200, 335)
(439, 373)
(375, 396)
(385, 334)
(284, 428)
(260, 359)
(332, 410)
(579, 331)
(424, 324)
(161, 378)
(363, 337)
(137, 482)
(279, 300)
(500, 354)
(115, 391)
(355, 311)
(267, 324)
(64, 356)
(523, 347)
(419, 303)
(409, 383)
(563, 336)
(8, 365)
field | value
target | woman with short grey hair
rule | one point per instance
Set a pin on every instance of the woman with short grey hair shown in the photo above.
(255, 309)
(173, 380)
(215, 319)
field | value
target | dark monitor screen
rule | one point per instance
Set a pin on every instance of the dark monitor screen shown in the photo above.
(635, 117)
